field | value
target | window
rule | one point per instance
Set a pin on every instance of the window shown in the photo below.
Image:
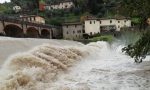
(79, 31)
(73, 32)
(34, 18)
(94, 22)
(83, 31)
(125, 21)
(90, 33)
(75, 26)
(100, 22)
(67, 32)
(118, 26)
(67, 26)
(110, 21)
(83, 26)
(118, 21)
(66, 6)
(90, 22)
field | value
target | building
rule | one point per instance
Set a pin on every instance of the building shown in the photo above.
(72, 31)
(67, 4)
(33, 18)
(95, 25)
(17, 9)
(92, 26)
(148, 21)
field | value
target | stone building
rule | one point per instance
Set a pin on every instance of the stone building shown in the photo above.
(92, 26)
(67, 4)
(72, 31)
(33, 19)
(98, 25)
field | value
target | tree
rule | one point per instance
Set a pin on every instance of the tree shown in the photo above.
(135, 8)
(140, 49)
(95, 6)
(81, 4)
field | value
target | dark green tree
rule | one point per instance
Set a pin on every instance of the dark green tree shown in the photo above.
(135, 8)
(140, 49)
(95, 6)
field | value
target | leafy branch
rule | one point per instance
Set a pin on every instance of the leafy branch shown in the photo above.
(140, 49)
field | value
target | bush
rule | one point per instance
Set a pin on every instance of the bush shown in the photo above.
(108, 38)
(140, 49)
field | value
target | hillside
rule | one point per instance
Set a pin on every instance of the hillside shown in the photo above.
(138, 10)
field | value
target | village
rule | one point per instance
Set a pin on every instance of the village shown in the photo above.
(88, 26)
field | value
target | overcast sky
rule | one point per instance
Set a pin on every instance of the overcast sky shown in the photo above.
(2, 1)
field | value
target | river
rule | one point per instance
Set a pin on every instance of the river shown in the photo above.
(39, 64)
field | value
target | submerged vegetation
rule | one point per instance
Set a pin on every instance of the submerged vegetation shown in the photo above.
(140, 49)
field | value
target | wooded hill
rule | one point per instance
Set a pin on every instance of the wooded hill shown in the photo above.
(138, 10)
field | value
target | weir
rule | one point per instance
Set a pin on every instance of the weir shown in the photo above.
(67, 65)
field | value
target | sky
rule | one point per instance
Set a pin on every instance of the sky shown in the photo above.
(2, 1)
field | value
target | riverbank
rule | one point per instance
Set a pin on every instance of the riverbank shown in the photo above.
(107, 38)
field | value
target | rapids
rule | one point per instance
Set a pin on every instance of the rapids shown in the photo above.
(39, 64)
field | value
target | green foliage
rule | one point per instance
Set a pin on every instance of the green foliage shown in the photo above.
(128, 36)
(136, 20)
(108, 38)
(135, 8)
(100, 8)
(55, 21)
(2, 8)
(140, 49)
(6, 8)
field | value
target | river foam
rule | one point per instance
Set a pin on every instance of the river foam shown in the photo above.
(41, 64)
(67, 65)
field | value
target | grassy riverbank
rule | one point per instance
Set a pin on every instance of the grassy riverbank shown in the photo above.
(107, 38)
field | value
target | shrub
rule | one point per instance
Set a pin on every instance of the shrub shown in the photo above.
(108, 38)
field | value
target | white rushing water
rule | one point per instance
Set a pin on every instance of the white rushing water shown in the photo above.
(66, 65)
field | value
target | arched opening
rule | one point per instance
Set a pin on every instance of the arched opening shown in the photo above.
(45, 33)
(13, 31)
(32, 32)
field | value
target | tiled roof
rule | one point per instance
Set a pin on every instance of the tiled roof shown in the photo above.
(117, 18)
